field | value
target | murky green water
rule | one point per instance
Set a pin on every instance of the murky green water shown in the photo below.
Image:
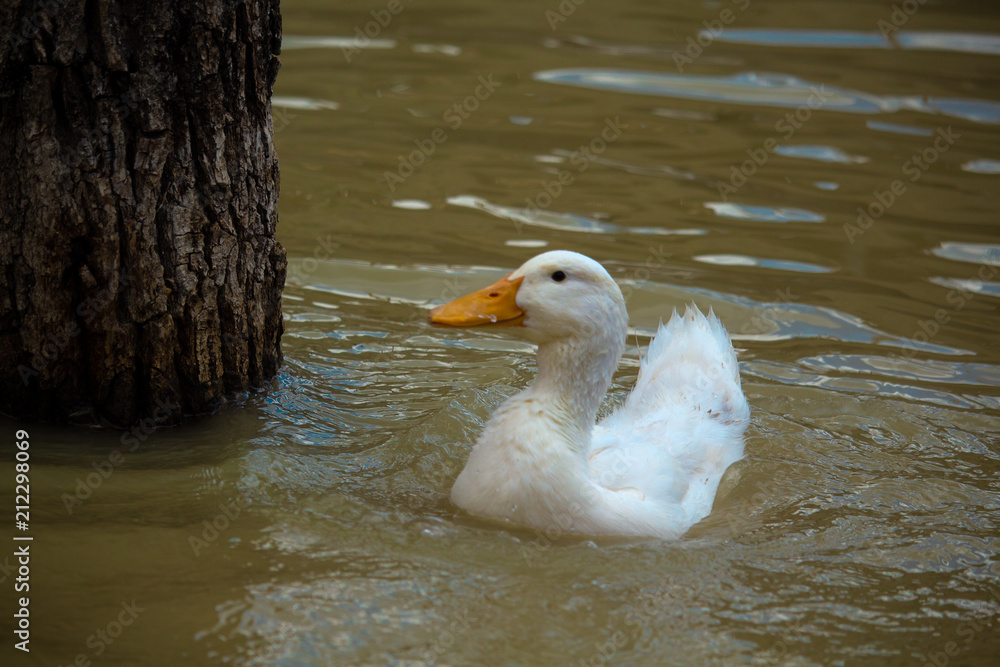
(709, 151)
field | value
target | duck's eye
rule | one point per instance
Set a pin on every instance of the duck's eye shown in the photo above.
(558, 276)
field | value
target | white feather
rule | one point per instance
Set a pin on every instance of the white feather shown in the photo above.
(682, 425)
(653, 466)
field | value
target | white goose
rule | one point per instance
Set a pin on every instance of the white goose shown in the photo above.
(652, 467)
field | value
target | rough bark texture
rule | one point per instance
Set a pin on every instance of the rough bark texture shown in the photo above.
(139, 271)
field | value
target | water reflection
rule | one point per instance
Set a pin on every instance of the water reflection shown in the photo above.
(304, 103)
(975, 253)
(763, 213)
(982, 166)
(779, 264)
(747, 88)
(536, 217)
(845, 39)
(821, 154)
(930, 370)
(295, 42)
(411, 204)
(968, 285)
(776, 90)
(896, 128)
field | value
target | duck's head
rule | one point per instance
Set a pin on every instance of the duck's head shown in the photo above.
(558, 294)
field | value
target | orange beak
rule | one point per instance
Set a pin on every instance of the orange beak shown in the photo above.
(496, 305)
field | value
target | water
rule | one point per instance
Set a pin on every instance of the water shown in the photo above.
(862, 527)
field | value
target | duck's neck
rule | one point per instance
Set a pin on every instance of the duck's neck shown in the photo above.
(575, 373)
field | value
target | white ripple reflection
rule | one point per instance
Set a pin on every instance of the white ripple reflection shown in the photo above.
(767, 89)
(763, 213)
(764, 263)
(562, 221)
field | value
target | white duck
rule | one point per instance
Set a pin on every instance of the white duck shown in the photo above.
(652, 467)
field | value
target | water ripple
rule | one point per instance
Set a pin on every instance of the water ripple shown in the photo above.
(967, 285)
(973, 253)
(896, 128)
(961, 42)
(291, 42)
(951, 372)
(821, 154)
(746, 88)
(763, 213)
(766, 89)
(562, 221)
(982, 166)
(797, 375)
(746, 260)
(303, 103)
(659, 170)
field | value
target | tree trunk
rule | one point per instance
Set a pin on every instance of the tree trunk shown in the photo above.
(139, 272)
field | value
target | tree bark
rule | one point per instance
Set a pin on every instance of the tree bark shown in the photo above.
(139, 271)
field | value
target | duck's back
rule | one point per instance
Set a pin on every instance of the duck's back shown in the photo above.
(681, 426)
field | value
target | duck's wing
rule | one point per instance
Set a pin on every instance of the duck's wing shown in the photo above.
(683, 423)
